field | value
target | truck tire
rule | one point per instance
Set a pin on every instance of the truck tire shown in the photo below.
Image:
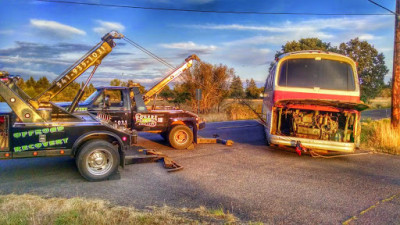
(97, 160)
(180, 137)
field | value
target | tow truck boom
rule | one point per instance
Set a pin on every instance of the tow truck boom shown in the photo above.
(39, 108)
(156, 89)
(93, 57)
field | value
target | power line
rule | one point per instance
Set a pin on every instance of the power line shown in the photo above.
(215, 11)
(383, 7)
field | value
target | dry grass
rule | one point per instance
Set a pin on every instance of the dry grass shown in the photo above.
(30, 209)
(215, 117)
(237, 111)
(380, 136)
(380, 102)
(234, 110)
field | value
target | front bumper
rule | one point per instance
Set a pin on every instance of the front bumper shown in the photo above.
(313, 143)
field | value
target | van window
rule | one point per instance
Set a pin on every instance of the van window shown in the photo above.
(310, 73)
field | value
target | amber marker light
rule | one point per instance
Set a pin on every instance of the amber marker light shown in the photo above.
(7, 155)
(34, 153)
(62, 152)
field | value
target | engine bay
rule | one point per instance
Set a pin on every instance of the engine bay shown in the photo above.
(315, 124)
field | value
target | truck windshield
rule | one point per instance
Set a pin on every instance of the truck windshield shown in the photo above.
(321, 73)
(92, 97)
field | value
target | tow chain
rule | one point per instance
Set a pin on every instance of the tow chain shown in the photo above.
(317, 155)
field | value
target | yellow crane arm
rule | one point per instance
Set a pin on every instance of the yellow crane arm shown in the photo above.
(93, 57)
(170, 77)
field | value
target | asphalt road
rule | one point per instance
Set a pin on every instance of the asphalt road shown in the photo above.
(251, 180)
(376, 114)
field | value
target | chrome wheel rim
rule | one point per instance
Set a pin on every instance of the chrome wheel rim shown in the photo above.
(181, 136)
(99, 162)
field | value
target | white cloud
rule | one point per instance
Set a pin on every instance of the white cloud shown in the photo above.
(332, 29)
(19, 60)
(360, 24)
(190, 46)
(6, 32)
(53, 28)
(106, 26)
(366, 37)
(26, 73)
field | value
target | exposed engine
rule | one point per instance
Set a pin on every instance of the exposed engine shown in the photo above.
(312, 124)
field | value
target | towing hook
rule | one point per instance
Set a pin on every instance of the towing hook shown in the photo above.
(300, 148)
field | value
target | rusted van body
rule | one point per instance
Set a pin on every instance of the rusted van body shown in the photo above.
(312, 98)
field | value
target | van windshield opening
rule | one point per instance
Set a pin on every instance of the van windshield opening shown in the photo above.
(312, 73)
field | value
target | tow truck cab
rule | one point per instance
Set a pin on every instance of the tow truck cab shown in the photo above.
(125, 106)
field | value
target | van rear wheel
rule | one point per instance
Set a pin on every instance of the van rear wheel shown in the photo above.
(97, 160)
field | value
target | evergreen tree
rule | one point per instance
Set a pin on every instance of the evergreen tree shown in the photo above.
(236, 88)
(31, 83)
(251, 89)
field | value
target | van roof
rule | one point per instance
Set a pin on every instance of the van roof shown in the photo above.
(311, 52)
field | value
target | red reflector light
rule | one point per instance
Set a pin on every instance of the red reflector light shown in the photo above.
(124, 138)
(34, 153)
(62, 152)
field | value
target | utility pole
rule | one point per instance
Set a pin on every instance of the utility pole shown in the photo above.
(396, 65)
(396, 70)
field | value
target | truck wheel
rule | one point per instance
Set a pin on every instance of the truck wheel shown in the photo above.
(180, 137)
(97, 160)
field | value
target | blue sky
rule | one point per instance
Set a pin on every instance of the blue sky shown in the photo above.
(43, 39)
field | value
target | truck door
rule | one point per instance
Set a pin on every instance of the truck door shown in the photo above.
(4, 133)
(112, 102)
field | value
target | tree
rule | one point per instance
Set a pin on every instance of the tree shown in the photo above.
(371, 67)
(130, 83)
(41, 85)
(236, 88)
(305, 44)
(30, 82)
(181, 94)
(251, 89)
(115, 82)
(211, 79)
(167, 93)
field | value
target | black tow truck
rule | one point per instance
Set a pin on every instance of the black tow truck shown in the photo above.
(36, 127)
(126, 106)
